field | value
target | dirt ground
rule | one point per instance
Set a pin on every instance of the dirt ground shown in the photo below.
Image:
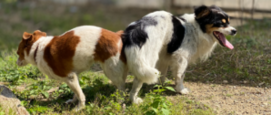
(227, 99)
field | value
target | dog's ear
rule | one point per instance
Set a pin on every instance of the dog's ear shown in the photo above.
(27, 36)
(38, 32)
(120, 32)
(202, 11)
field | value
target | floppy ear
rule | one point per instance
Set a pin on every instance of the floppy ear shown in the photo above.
(120, 32)
(27, 36)
(202, 11)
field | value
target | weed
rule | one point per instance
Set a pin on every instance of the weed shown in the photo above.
(156, 104)
(39, 109)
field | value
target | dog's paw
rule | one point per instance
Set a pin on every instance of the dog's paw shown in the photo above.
(78, 107)
(184, 91)
(137, 100)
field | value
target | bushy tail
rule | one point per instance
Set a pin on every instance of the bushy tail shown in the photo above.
(134, 38)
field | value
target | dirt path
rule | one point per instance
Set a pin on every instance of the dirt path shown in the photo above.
(227, 99)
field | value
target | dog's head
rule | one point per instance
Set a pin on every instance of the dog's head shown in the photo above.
(216, 23)
(25, 45)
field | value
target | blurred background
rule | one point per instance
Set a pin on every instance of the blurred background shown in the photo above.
(57, 16)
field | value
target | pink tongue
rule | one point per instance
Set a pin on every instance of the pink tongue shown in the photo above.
(225, 41)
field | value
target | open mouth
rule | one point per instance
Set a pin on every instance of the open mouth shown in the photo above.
(222, 40)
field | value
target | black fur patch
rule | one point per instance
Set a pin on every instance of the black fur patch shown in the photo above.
(135, 34)
(177, 36)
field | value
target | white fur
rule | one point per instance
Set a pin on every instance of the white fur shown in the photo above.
(142, 61)
(227, 30)
(196, 46)
(89, 35)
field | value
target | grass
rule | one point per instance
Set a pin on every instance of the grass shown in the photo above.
(102, 97)
(249, 61)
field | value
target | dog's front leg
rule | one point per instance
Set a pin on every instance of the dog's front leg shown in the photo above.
(178, 71)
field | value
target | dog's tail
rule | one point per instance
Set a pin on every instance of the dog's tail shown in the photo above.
(134, 38)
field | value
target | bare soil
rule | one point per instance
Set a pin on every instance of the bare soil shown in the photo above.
(227, 99)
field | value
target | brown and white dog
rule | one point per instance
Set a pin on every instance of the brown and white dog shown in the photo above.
(64, 57)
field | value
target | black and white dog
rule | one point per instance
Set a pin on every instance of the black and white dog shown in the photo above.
(159, 40)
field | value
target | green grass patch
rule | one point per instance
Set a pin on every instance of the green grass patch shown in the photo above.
(102, 97)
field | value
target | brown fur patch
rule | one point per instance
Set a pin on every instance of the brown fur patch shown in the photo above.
(224, 20)
(59, 53)
(203, 13)
(107, 45)
(27, 42)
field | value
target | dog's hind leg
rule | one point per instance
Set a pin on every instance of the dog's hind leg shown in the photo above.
(163, 74)
(137, 84)
(73, 83)
(162, 67)
(116, 73)
(178, 71)
(121, 84)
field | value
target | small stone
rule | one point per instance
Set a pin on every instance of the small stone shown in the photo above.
(225, 81)
(8, 101)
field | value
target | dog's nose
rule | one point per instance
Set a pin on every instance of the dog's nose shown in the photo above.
(233, 32)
